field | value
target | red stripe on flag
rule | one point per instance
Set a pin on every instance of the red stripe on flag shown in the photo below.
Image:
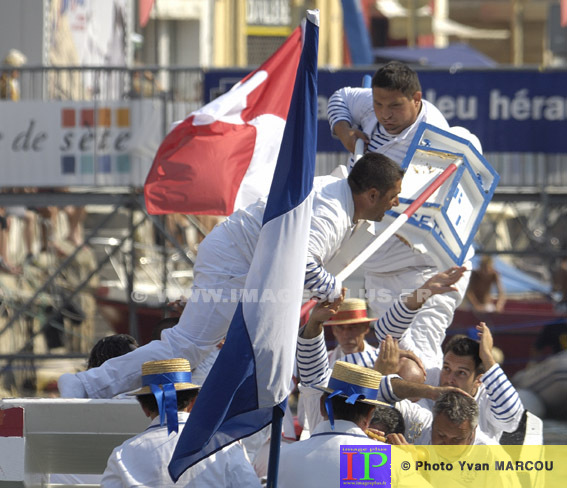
(199, 167)
(563, 13)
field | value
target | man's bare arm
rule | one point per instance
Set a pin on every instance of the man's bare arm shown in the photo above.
(348, 135)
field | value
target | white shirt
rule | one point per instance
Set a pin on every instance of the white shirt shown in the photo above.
(143, 460)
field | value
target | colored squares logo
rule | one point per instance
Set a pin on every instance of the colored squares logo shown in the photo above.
(104, 117)
(87, 118)
(123, 163)
(104, 164)
(87, 164)
(365, 465)
(68, 165)
(123, 117)
(95, 141)
(68, 117)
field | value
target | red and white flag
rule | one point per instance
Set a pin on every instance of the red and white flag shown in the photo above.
(222, 157)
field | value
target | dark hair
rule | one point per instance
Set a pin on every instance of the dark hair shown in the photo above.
(345, 411)
(374, 170)
(397, 76)
(457, 407)
(388, 419)
(461, 345)
(110, 347)
(184, 398)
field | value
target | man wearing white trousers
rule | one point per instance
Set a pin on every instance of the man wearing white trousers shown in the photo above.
(222, 265)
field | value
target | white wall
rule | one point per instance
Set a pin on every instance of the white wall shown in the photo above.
(21, 27)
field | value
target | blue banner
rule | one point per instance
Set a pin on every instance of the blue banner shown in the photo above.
(509, 110)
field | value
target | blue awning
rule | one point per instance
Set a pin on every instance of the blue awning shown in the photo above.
(456, 55)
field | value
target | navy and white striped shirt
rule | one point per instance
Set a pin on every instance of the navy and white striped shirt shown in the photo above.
(356, 106)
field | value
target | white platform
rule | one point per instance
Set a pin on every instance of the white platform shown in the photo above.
(73, 436)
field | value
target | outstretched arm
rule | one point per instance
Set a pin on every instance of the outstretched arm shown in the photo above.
(400, 315)
(322, 312)
(506, 407)
(440, 283)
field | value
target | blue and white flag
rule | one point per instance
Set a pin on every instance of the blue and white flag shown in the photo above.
(252, 373)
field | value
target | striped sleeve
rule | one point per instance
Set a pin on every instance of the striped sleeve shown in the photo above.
(320, 282)
(506, 408)
(337, 109)
(386, 392)
(395, 321)
(313, 361)
(367, 359)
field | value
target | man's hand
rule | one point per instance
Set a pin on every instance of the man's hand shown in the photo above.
(348, 135)
(486, 345)
(175, 309)
(397, 440)
(388, 360)
(440, 283)
(375, 434)
(321, 312)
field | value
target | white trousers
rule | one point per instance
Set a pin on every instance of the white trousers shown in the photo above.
(219, 275)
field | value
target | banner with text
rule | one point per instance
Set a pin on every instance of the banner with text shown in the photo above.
(78, 143)
(509, 110)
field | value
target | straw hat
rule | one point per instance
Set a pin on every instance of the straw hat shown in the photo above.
(351, 311)
(170, 371)
(15, 58)
(350, 379)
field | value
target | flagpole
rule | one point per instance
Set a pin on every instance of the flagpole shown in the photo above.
(390, 230)
(275, 443)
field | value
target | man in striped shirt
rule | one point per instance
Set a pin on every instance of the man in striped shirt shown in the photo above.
(467, 365)
(386, 117)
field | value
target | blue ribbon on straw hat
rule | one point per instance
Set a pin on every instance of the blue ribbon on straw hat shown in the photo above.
(163, 379)
(356, 383)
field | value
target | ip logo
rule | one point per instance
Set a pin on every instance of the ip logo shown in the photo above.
(366, 465)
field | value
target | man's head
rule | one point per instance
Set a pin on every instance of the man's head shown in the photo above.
(396, 94)
(350, 325)
(462, 366)
(110, 347)
(455, 417)
(351, 394)
(409, 370)
(375, 182)
(14, 60)
(167, 389)
(388, 420)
